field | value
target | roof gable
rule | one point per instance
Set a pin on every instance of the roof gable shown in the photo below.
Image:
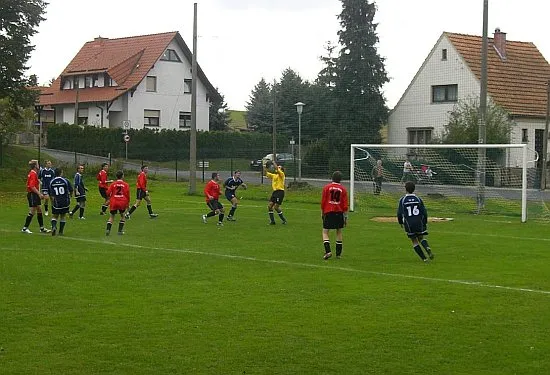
(517, 83)
(126, 60)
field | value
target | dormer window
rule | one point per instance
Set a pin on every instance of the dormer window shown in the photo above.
(170, 55)
(444, 54)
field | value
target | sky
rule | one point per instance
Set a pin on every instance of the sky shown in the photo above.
(242, 41)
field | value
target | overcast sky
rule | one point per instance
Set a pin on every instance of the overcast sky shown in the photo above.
(241, 41)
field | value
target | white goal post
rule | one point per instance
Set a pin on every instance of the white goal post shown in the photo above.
(446, 169)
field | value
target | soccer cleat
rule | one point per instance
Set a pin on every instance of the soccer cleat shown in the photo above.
(82, 218)
(204, 219)
(107, 232)
(46, 213)
(120, 233)
(26, 230)
(327, 255)
(44, 230)
(102, 213)
(61, 234)
(271, 223)
(54, 231)
(71, 215)
(230, 218)
(338, 257)
(153, 216)
(219, 224)
(127, 216)
(430, 254)
(284, 222)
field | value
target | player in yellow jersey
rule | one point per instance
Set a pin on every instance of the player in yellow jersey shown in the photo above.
(278, 185)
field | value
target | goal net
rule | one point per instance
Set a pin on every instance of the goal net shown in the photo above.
(481, 179)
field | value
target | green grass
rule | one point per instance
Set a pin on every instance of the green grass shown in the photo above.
(176, 296)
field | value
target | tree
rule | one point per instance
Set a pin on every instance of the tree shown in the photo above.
(260, 108)
(463, 124)
(290, 90)
(219, 115)
(18, 22)
(359, 75)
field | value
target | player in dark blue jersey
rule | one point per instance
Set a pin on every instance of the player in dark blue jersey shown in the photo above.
(231, 185)
(413, 217)
(79, 193)
(60, 191)
(46, 176)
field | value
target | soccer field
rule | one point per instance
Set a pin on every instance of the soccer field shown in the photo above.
(176, 296)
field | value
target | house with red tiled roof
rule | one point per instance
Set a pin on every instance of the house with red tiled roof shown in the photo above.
(142, 81)
(517, 77)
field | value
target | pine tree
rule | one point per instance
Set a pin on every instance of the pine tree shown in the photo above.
(219, 114)
(360, 75)
(260, 108)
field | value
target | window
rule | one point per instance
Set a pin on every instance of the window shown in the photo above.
(444, 54)
(88, 81)
(83, 116)
(108, 81)
(95, 80)
(67, 83)
(151, 84)
(420, 136)
(76, 83)
(524, 135)
(185, 120)
(151, 117)
(187, 84)
(170, 55)
(443, 94)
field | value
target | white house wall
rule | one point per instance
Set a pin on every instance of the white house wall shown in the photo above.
(415, 108)
(169, 98)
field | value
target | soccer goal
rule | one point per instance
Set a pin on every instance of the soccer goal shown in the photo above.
(497, 179)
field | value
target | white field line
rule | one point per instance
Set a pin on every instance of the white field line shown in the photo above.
(309, 265)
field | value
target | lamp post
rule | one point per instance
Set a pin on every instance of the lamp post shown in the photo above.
(38, 109)
(300, 109)
(292, 143)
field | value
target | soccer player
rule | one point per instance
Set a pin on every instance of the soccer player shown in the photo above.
(60, 191)
(118, 195)
(413, 217)
(46, 176)
(103, 186)
(79, 193)
(212, 194)
(334, 207)
(231, 185)
(278, 195)
(34, 196)
(377, 175)
(142, 193)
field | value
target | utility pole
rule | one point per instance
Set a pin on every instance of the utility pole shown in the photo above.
(274, 91)
(545, 139)
(193, 135)
(76, 104)
(482, 130)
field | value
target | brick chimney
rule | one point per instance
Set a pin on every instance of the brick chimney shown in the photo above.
(499, 43)
(100, 40)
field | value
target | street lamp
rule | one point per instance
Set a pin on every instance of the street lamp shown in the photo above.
(300, 109)
(38, 108)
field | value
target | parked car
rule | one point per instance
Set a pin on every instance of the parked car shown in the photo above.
(282, 159)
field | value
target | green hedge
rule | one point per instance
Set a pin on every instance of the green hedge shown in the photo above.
(161, 145)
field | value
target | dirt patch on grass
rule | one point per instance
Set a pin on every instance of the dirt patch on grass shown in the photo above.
(393, 219)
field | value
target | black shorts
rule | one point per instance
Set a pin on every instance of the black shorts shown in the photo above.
(33, 199)
(45, 192)
(60, 211)
(81, 198)
(214, 204)
(229, 194)
(141, 194)
(415, 229)
(103, 193)
(333, 220)
(277, 197)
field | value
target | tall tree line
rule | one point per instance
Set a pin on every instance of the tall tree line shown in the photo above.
(345, 103)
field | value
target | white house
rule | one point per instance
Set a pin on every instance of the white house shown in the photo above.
(144, 81)
(517, 77)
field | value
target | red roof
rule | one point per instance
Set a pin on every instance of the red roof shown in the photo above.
(126, 60)
(517, 83)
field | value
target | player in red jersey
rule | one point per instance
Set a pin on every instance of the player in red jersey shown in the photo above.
(142, 193)
(212, 194)
(34, 197)
(103, 186)
(118, 194)
(334, 206)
